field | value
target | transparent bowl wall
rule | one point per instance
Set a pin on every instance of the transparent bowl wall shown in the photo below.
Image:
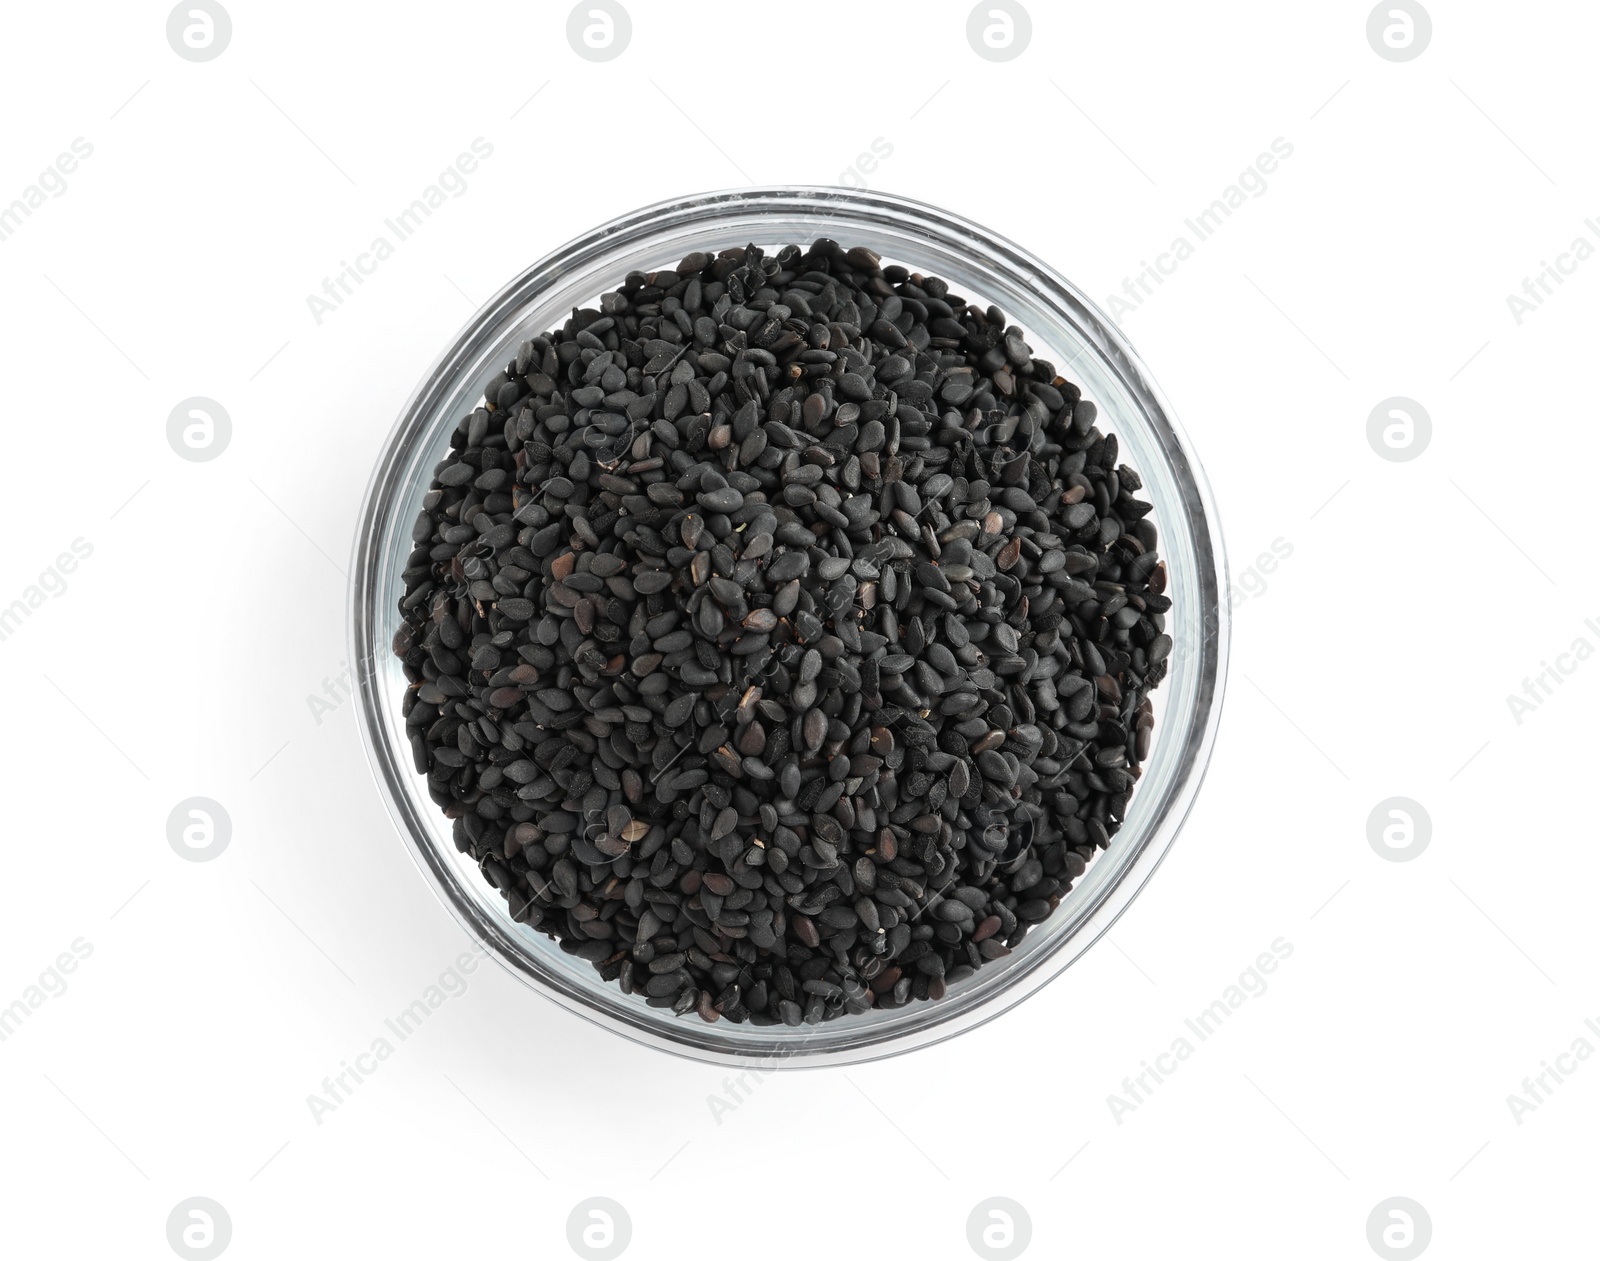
(1063, 326)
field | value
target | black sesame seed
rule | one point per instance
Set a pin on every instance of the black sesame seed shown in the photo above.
(781, 635)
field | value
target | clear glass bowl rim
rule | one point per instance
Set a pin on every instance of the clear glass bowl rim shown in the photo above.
(822, 210)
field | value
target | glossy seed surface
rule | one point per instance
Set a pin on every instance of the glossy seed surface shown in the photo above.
(781, 633)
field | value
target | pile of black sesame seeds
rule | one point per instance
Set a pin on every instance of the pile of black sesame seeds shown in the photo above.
(781, 635)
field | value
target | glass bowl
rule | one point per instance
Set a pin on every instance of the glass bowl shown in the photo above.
(1063, 326)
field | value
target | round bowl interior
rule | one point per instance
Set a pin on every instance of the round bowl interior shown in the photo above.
(1062, 326)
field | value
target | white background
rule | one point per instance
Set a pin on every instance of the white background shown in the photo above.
(1374, 662)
